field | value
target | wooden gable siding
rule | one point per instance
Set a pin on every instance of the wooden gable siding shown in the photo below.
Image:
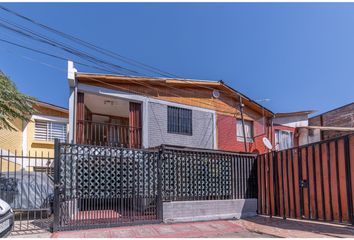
(196, 96)
(50, 112)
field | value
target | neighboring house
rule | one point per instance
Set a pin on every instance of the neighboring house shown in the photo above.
(34, 138)
(144, 112)
(331, 124)
(286, 129)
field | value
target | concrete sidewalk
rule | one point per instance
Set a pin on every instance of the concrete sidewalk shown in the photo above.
(177, 230)
(290, 228)
(254, 227)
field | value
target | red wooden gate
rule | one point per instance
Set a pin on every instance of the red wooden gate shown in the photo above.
(313, 182)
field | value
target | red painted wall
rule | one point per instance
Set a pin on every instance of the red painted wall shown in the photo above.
(226, 135)
(285, 128)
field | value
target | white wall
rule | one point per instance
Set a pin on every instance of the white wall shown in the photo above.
(292, 121)
(208, 210)
(99, 104)
(306, 137)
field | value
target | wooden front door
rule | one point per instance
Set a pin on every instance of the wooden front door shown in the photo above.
(135, 122)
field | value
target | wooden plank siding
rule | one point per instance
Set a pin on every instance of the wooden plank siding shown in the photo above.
(197, 96)
(339, 117)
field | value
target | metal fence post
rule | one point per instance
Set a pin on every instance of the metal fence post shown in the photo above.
(258, 185)
(275, 182)
(159, 184)
(56, 204)
(348, 179)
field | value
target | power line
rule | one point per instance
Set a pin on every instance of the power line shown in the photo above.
(92, 46)
(35, 60)
(66, 48)
(133, 81)
(43, 39)
(161, 84)
(48, 54)
(70, 36)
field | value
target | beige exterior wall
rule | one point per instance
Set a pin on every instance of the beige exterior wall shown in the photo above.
(9, 166)
(12, 140)
(45, 148)
(11, 143)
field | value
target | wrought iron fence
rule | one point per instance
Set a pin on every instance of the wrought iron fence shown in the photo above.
(102, 186)
(26, 183)
(98, 186)
(198, 174)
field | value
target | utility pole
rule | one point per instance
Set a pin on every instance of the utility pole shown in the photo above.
(243, 123)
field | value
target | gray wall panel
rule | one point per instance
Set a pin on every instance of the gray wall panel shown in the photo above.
(202, 122)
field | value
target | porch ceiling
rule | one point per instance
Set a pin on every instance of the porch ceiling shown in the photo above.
(107, 105)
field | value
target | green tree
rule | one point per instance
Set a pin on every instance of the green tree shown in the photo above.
(13, 104)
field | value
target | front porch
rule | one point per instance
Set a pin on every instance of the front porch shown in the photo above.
(104, 120)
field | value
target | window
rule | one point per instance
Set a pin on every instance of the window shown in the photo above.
(248, 130)
(179, 120)
(48, 131)
(311, 132)
(283, 139)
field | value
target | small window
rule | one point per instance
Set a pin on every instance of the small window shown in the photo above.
(48, 131)
(248, 130)
(179, 120)
(311, 132)
(283, 140)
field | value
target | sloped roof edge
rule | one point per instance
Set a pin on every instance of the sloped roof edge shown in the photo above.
(51, 106)
(298, 113)
(170, 80)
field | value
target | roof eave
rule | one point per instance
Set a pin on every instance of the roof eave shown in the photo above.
(174, 80)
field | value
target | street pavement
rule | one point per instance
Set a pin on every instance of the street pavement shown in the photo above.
(256, 227)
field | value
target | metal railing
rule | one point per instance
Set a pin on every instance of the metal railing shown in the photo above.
(26, 183)
(108, 134)
(102, 186)
(199, 174)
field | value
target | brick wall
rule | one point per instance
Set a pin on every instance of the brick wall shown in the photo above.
(202, 125)
(340, 117)
(226, 135)
(12, 140)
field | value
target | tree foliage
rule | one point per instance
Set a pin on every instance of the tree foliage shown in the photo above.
(13, 104)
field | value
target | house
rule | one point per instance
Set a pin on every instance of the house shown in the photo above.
(34, 138)
(334, 123)
(145, 112)
(287, 129)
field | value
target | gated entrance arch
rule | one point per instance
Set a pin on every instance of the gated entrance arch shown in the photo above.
(102, 186)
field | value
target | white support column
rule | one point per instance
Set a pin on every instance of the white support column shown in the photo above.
(72, 100)
(24, 138)
(215, 131)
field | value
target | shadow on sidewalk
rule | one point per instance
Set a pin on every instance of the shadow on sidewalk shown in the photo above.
(316, 227)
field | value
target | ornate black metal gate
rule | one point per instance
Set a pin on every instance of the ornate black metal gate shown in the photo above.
(102, 186)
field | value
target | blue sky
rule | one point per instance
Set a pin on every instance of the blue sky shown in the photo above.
(299, 55)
